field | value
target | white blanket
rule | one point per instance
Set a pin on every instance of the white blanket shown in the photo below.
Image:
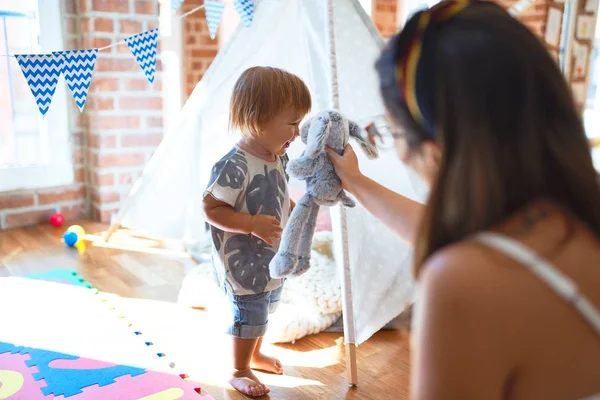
(309, 304)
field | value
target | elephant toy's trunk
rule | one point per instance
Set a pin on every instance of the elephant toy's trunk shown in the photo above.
(293, 257)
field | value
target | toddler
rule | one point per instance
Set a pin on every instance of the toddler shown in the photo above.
(247, 205)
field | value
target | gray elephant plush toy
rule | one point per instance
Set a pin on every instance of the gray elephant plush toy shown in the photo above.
(323, 188)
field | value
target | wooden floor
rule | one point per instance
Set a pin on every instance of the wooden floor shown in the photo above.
(146, 276)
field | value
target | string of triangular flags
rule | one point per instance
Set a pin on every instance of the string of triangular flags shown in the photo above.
(214, 10)
(42, 71)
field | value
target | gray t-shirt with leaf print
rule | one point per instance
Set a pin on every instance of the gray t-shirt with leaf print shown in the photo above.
(254, 186)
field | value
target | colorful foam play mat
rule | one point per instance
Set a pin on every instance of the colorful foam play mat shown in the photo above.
(60, 339)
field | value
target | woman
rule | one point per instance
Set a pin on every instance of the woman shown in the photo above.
(507, 248)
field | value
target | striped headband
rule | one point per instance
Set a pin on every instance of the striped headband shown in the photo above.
(415, 68)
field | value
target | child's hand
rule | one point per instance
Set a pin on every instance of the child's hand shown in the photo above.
(267, 228)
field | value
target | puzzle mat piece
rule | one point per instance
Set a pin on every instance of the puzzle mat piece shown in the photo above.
(67, 276)
(69, 382)
(70, 320)
(150, 386)
(16, 378)
(74, 384)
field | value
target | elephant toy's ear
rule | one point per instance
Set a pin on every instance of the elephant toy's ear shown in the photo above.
(304, 130)
(367, 147)
(317, 135)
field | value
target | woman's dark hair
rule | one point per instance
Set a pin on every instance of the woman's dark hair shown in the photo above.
(506, 123)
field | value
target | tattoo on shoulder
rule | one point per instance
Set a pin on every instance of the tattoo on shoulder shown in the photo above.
(528, 219)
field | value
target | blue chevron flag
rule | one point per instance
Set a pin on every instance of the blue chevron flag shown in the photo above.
(245, 8)
(213, 10)
(143, 47)
(41, 72)
(77, 68)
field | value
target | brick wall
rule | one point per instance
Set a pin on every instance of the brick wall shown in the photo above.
(121, 125)
(22, 208)
(198, 48)
(123, 117)
(534, 17)
(385, 16)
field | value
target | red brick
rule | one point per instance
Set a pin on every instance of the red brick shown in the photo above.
(117, 64)
(85, 24)
(99, 179)
(27, 218)
(204, 53)
(100, 84)
(95, 42)
(105, 197)
(104, 122)
(103, 25)
(116, 6)
(73, 212)
(70, 6)
(79, 175)
(77, 138)
(99, 103)
(141, 103)
(16, 200)
(103, 214)
(154, 122)
(130, 26)
(102, 141)
(78, 157)
(71, 24)
(138, 84)
(141, 140)
(121, 160)
(84, 5)
(146, 7)
(65, 194)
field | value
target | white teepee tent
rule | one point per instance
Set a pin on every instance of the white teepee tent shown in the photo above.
(332, 45)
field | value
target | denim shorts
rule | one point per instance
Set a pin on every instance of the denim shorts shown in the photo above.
(251, 313)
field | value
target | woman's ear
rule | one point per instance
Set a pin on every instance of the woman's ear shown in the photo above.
(431, 154)
(424, 160)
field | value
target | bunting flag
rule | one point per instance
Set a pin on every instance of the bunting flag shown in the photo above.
(245, 9)
(77, 68)
(41, 72)
(143, 47)
(213, 10)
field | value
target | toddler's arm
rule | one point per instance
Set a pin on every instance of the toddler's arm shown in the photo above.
(224, 217)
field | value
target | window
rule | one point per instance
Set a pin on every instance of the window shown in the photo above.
(34, 151)
(591, 115)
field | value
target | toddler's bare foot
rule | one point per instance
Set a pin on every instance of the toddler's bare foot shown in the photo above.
(247, 383)
(260, 362)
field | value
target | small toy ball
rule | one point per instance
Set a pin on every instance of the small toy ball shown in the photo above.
(70, 238)
(80, 246)
(57, 219)
(77, 229)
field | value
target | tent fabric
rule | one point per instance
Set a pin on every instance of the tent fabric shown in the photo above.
(292, 35)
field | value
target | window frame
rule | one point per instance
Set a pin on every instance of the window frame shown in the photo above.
(56, 165)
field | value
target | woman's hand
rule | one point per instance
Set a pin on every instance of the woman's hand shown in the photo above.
(346, 166)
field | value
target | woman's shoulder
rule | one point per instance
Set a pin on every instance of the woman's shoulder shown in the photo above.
(462, 272)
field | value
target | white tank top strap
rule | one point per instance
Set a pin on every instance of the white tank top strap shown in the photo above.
(559, 282)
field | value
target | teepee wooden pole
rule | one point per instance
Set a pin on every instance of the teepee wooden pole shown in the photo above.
(344, 263)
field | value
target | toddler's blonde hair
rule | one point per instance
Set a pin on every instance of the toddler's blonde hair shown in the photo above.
(260, 93)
